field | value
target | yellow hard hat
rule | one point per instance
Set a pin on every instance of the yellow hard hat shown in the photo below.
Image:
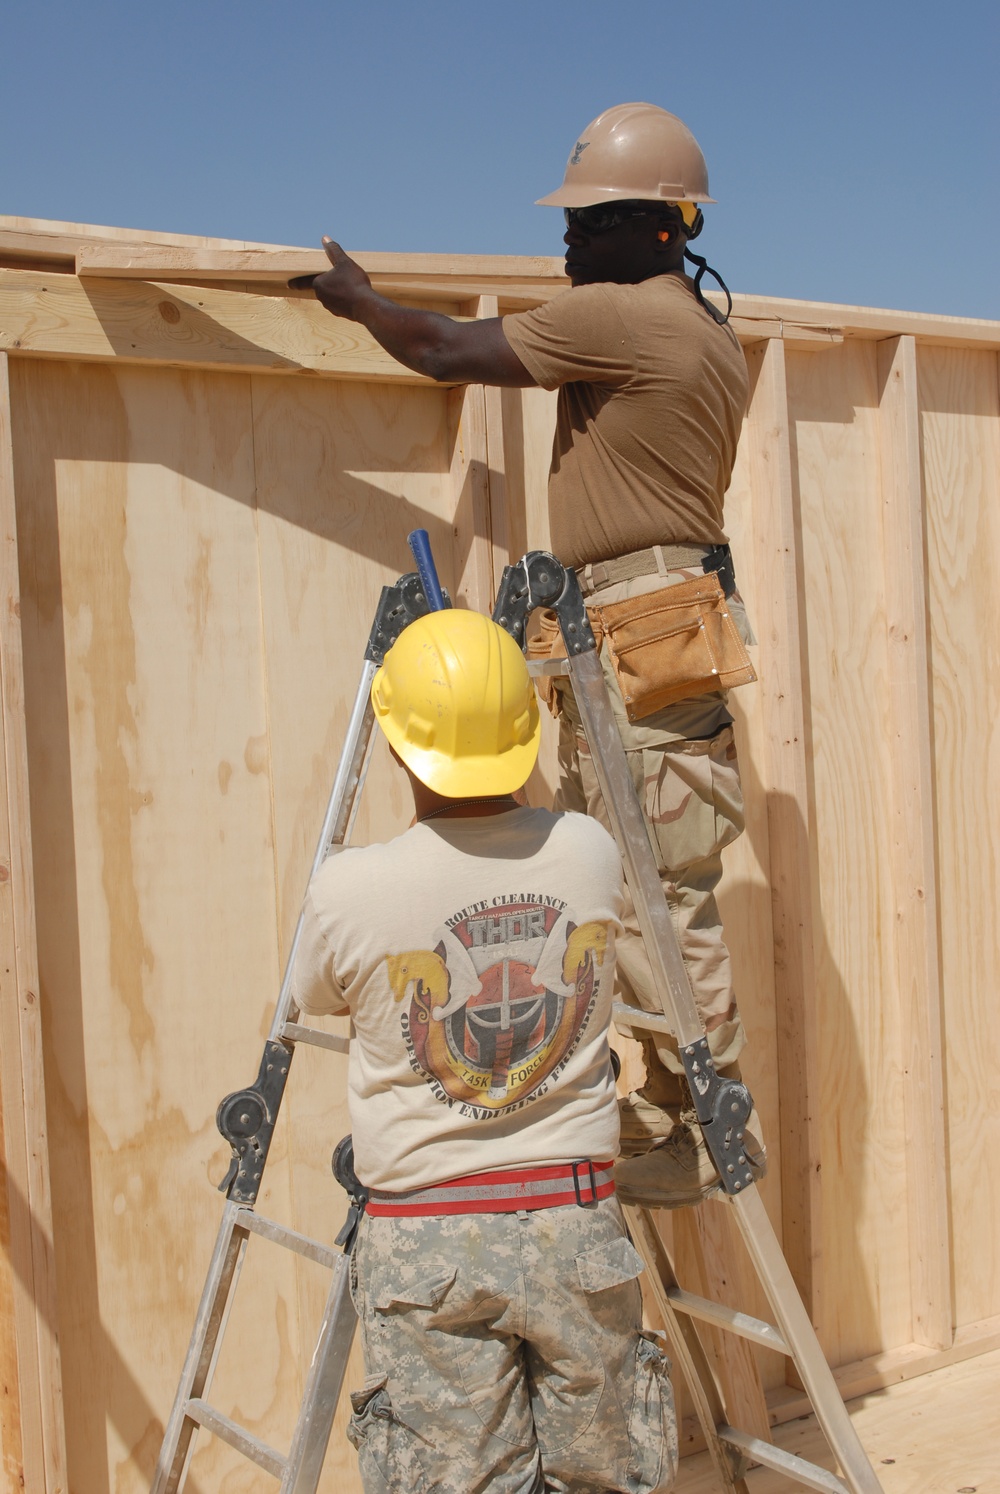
(455, 701)
(633, 151)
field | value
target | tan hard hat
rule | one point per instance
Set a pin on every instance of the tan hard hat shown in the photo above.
(633, 151)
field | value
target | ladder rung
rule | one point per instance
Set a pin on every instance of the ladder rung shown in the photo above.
(727, 1317)
(297, 1032)
(230, 1431)
(631, 1016)
(313, 1250)
(787, 1463)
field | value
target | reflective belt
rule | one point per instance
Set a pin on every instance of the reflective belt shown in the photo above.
(506, 1192)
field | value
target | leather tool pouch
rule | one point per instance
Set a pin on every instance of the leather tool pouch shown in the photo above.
(672, 644)
(547, 643)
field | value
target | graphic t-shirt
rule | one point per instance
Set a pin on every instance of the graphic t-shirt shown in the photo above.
(652, 393)
(476, 958)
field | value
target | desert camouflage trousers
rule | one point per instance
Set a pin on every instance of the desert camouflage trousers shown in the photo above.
(686, 774)
(504, 1352)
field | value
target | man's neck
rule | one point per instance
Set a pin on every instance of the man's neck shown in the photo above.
(429, 805)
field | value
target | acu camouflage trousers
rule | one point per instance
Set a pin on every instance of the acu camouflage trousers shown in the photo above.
(505, 1352)
(686, 774)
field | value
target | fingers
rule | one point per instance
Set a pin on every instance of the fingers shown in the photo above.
(334, 253)
(302, 282)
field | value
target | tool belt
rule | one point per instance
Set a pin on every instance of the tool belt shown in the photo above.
(509, 1192)
(660, 559)
(668, 645)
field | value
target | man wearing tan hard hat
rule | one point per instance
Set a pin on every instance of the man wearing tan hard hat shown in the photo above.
(652, 392)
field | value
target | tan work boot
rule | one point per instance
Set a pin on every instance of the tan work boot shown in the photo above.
(665, 1162)
(649, 1115)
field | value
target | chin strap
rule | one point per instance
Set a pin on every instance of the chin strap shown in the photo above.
(703, 267)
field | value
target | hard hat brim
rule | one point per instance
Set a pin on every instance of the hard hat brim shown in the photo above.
(578, 197)
(470, 777)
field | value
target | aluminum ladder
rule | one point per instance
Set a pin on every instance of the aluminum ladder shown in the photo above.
(247, 1118)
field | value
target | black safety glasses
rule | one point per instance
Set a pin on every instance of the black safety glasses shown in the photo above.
(604, 215)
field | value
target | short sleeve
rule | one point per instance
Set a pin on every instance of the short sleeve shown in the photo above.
(578, 336)
(315, 986)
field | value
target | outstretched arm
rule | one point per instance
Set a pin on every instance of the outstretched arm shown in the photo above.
(451, 352)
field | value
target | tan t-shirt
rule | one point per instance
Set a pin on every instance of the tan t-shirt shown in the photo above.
(652, 393)
(476, 958)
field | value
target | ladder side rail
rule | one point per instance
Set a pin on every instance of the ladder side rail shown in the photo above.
(398, 606)
(541, 580)
(322, 1393)
(625, 814)
(199, 1362)
(686, 1346)
(611, 766)
(800, 1335)
(341, 809)
(224, 1268)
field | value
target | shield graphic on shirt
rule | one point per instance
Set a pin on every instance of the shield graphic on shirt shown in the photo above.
(521, 981)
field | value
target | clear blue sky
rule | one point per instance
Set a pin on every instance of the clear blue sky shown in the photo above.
(854, 148)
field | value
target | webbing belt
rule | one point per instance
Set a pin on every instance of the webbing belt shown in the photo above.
(659, 559)
(506, 1192)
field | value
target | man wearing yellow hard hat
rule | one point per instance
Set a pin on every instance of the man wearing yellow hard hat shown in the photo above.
(496, 1288)
(652, 392)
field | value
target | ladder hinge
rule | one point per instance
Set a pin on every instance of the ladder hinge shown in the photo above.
(246, 1119)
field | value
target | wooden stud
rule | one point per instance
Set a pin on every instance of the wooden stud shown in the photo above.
(470, 479)
(960, 450)
(497, 466)
(151, 262)
(25, 1127)
(785, 774)
(914, 841)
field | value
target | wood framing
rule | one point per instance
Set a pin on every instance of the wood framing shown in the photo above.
(780, 587)
(33, 1437)
(914, 842)
(204, 482)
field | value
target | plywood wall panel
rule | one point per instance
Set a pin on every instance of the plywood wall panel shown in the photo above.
(833, 411)
(961, 449)
(200, 556)
(153, 846)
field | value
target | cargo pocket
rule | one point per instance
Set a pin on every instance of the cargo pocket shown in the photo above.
(610, 1264)
(387, 1448)
(399, 1289)
(652, 1424)
(693, 798)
